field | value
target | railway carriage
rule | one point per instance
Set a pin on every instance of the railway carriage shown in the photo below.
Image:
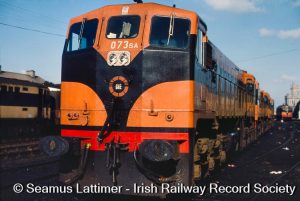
(150, 99)
(26, 107)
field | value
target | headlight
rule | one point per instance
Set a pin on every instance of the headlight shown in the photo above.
(118, 58)
(124, 59)
(112, 59)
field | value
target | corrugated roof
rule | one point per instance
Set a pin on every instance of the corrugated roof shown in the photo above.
(21, 82)
(21, 77)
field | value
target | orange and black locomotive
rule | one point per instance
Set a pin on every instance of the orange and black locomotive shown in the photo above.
(149, 99)
(284, 112)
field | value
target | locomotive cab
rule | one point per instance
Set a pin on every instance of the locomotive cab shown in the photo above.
(249, 83)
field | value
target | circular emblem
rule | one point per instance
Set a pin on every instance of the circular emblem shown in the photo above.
(118, 86)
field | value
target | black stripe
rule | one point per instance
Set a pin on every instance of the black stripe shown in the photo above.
(19, 99)
(132, 129)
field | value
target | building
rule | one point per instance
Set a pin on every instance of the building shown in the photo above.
(293, 97)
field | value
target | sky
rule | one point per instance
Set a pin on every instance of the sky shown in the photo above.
(260, 36)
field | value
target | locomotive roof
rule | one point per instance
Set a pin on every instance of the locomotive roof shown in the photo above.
(146, 8)
(231, 67)
(284, 105)
(246, 76)
(21, 79)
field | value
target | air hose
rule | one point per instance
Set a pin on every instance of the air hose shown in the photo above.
(108, 123)
(82, 165)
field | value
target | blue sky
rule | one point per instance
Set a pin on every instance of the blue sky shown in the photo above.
(260, 36)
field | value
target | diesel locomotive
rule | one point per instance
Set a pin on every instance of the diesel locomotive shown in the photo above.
(296, 113)
(284, 112)
(147, 98)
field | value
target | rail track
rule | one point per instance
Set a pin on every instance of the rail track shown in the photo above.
(268, 152)
(276, 180)
(23, 162)
(19, 149)
(279, 150)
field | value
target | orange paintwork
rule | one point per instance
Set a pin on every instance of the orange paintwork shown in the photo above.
(80, 105)
(155, 104)
(266, 109)
(270, 109)
(264, 93)
(286, 115)
(248, 78)
(205, 39)
(256, 84)
(256, 112)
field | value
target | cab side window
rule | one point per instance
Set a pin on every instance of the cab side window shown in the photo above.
(199, 47)
(82, 35)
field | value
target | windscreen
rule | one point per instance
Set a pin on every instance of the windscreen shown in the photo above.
(170, 32)
(250, 87)
(123, 27)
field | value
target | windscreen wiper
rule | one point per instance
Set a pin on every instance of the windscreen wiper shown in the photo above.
(171, 27)
(81, 32)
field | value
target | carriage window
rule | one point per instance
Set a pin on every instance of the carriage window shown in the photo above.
(3, 88)
(17, 89)
(10, 89)
(82, 35)
(123, 27)
(170, 32)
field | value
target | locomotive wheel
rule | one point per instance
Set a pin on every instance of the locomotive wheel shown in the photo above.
(197, 165)
(211, 166)
(201, 168)
(223, 157)
(237, 146)
(197, 171)
(242, 141)
(201, 171)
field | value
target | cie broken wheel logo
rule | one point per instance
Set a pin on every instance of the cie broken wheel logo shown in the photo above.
(118, 86)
